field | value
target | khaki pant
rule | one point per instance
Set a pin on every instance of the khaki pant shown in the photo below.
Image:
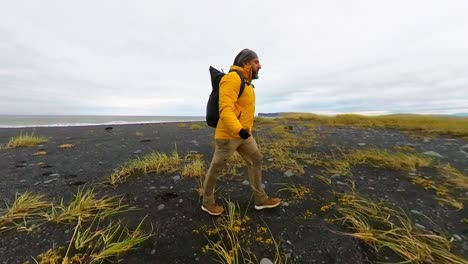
(249, 152)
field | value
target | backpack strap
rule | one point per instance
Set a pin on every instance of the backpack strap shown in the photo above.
(242, 83)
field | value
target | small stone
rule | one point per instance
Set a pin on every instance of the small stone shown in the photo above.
(340, 183)
(270, 159)
(371, 188)
(160, 207)
(362, 144)
(288, 173)
(263, 186)
(286, 204)
(153, 252)
(457, 237)
(181, 200)
(265, 261)
(416, 212)
(54, 175)
(420, 226)
(176, 178)
(23, 181)
(245, 182)
(433, 154)
(152, 188)
(137, 151)
(48, 181)
(465, 147)
(465, 246)
(21, 164)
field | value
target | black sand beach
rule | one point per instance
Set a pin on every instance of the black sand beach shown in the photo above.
(171, 204)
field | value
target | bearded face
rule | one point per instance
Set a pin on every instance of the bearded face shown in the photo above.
(255, 64)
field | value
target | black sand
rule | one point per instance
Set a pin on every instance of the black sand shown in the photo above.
(99, 150)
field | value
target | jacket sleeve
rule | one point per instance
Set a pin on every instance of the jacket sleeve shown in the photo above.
(229, 89)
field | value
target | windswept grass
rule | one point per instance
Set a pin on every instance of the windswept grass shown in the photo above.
(228, 248)
(95, 244)
(455, 177)
(26, 207)
(196, 127)
(25, 141)
(265, 120)
(383, 227)
(391, 160)
(342, 163)
(195, 167)
(231, 248)
(438, 125)
(85, 205)
(152, 163)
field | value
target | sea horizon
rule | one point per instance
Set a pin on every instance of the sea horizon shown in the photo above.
(20, 121)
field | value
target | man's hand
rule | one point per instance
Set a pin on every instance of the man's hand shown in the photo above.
(244, 134)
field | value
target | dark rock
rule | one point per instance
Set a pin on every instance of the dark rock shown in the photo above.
(77, 183)
(145, 140)
(21, 164)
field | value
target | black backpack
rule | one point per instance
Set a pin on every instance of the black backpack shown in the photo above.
(212, 108)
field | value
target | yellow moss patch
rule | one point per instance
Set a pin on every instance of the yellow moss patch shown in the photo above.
(66, 146)
(196, 126)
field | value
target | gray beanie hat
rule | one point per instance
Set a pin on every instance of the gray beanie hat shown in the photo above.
(244, 56)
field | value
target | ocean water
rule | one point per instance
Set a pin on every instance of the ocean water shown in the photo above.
(14, 121)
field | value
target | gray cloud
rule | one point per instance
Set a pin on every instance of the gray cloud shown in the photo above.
(151, 58)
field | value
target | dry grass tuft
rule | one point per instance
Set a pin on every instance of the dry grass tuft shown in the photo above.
(195, 168)
(85, 205)
(152, 163)
(455, 177)
(25, 141)
(26, 207)
(392, 160)
(438, 125)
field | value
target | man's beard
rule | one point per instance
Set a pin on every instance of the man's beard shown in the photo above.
(254, 75)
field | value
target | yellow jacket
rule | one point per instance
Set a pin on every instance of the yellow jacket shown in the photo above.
(235, 113)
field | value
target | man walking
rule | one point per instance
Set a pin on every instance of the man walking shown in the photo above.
(234, 133)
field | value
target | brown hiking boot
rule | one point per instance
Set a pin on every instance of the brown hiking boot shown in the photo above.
(212, 209)
(268, 203)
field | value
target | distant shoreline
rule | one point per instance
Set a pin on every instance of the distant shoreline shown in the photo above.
(25, 121)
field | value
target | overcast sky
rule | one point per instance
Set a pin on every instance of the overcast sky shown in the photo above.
(152, 57)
